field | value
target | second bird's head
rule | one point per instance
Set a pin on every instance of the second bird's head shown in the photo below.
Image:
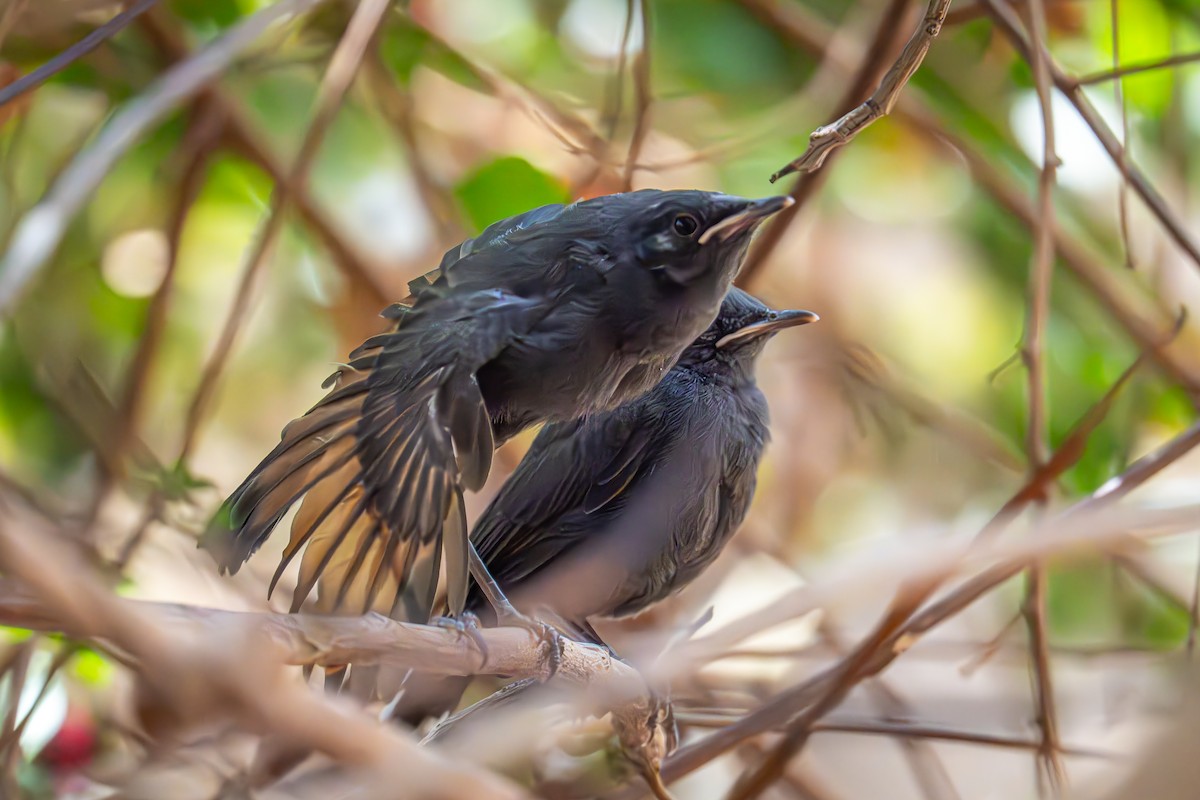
(740, 331)
(688, 236)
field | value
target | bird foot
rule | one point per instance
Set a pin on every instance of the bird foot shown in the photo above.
(465, 624)
(544, 634)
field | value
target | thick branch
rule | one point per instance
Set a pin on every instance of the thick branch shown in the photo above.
(321, 640)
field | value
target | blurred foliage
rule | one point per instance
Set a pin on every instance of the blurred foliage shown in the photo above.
(901, 252)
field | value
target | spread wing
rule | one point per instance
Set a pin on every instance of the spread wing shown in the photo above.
(382, 461)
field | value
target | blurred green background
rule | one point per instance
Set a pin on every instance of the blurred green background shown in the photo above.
(471, 110)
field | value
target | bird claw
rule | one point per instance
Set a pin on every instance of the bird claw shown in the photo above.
(543, 633)
(465, 624)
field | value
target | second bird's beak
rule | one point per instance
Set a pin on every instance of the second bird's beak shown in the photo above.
(781, 320)
(746, 218)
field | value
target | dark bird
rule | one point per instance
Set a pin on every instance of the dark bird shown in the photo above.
(548, 316)
(608, 514)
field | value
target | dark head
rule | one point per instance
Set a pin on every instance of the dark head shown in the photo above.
(686, 236)
(736, 337)
(668, 258)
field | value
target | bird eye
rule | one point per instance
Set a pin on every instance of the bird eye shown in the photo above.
(685, 224)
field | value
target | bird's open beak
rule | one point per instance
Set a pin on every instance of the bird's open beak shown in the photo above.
(781, 320)
(746, 218)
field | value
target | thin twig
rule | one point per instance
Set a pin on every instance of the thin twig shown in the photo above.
(642, 96)
(67, 57)
(41, 229)
(1119, 70)
(788, 702)
(1033, 351)
(1119, 94)
(1145, 323)
(1179, 231)
(343, 67)
(616, 89)
(848, 674)
(830, 137)
(989, 648)
(396, 105)
(928, 770)
(1034, 611)
(197, 146)
(229, 672)
(888, 35)
(358, 267)
(902, 729)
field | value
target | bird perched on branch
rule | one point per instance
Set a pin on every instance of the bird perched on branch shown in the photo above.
(608, 514)
(548, 316)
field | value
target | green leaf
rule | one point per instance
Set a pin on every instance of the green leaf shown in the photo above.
(208, 13)
(505, 187)
(91, 668)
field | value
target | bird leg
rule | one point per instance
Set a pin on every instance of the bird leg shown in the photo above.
(508, 615)
(465, 624)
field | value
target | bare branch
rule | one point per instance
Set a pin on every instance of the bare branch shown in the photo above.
(330, 640)
(788, 702)
(1119, 71)
(887, 38)
(1033, 350)
(229, 672)
(1146, 324)
(902, 729)
(830, 137)
(73, 53)
(358, 267)
(642, 96)
(1008, 23)
(343, 68)
(41, 229)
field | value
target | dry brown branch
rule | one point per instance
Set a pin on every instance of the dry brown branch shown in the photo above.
(781, 708)
(928, 770)
(359, 268)
(396, 105)
(325, 640)
(1007, 22)
(1145, 323)
(37, 235)
(905, 730)
(230, 673)
(888, 35)
(1119, 92)
(73, 53)
(642, 97)
(1119, 71)
(830, 137)
(844, 677)
(343, 68)
(1041, 271)
(198, 145)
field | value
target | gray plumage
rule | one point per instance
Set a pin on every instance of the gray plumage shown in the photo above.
(611, 513)
(629, 506)
(560, 312)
